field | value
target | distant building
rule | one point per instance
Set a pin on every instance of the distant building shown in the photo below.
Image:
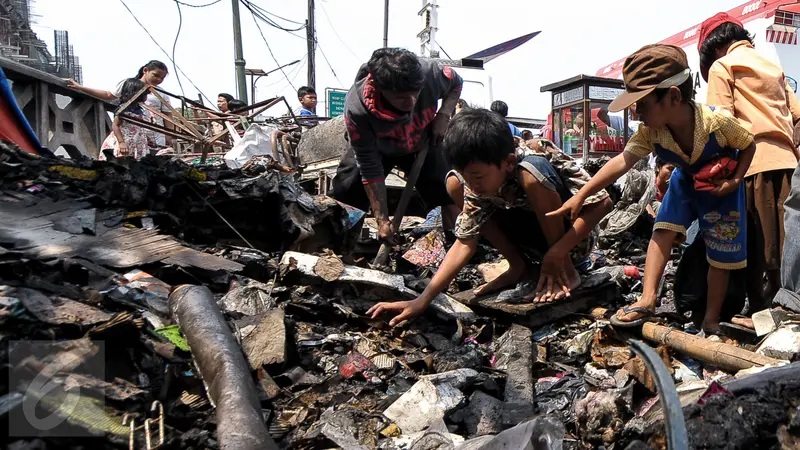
(20, 43)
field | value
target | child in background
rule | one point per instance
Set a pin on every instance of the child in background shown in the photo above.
(504, 198)
(754, 89)
(663, 174)
(308, 99)
(126, 138)
(691, 136)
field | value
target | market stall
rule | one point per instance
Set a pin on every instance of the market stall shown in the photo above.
(581, 97)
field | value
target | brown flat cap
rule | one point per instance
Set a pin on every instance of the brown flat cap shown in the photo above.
(653, 66)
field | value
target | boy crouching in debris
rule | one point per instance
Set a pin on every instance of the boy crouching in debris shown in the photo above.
(504, 198)
(702, 144)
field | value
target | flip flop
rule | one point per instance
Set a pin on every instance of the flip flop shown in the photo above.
(648, 313)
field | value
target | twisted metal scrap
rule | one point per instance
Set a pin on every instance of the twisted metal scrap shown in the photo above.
(677, 438)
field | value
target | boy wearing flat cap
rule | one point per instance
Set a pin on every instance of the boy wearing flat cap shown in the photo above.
(711, 152)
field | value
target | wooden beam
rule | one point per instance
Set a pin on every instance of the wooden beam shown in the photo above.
(156, 128)
(175, 113)
(725, 356)
(132, 100)
(167, 118)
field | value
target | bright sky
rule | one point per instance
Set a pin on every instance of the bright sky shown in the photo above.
(578, 36)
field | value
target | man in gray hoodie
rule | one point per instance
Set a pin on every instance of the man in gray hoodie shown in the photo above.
(391, 114)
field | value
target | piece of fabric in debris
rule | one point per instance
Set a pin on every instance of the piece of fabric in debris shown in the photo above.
(639, 191)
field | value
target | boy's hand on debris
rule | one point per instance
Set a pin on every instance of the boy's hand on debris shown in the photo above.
(439, 127)
(407, 310)
(571, 208)
(725, 187)
(553, 282)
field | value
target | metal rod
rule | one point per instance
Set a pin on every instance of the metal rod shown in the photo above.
(677, 439)
(400, 211)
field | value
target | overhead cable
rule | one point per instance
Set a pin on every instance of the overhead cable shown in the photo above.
(164, 51)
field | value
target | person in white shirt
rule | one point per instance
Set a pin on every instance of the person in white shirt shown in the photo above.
(152, 74)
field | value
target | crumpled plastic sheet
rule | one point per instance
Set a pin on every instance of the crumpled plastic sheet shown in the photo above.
(248, 297)
(350, 428)
(354, 215)
(256, 141)
(639, 191)
(541, 433)
(433, 221)
(555, 396)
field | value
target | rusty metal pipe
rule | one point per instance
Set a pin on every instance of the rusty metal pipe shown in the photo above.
(240, 424)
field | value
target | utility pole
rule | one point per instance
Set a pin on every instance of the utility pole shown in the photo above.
(241, 80)
(311, 41)
(430, 22)
(386, 24)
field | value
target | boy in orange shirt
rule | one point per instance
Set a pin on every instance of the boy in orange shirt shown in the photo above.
(754, 90)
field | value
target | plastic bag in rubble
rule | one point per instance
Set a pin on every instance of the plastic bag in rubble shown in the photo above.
(620, 273)
(541, 433)
(256, 141)
(436, 437)
(639, 191)
(248, 297)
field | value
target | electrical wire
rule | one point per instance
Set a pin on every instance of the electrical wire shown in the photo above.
(294, 77)
(443, 50)
(292, 71)
(260, 12)
(275, 15)
(164, 51)
(337, 34)
(329, 65)
(261, 32)
(175, 45)
(198, 6)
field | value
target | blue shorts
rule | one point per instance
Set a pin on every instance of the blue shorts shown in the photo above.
(721, 219)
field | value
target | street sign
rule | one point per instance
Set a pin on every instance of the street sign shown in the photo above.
(334, 103)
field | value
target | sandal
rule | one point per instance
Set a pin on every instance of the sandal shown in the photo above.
(648, 313)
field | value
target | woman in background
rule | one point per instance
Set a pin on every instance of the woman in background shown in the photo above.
(151, 74)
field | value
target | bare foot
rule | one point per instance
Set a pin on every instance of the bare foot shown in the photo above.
(746, 322)
(508, 278)
(573, 281)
